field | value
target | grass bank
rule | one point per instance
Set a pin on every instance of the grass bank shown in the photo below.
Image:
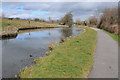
(8, 26)
(27, 23)
(71, 59)
(114, 36)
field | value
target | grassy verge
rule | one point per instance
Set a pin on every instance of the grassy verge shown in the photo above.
(9, 26)
(25, 23)
(114, 36)
(71, 59)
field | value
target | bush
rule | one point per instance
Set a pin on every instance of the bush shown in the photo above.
(92, 21)
(109, 20)
(37, 19)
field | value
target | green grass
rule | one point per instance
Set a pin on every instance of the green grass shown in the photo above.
(22, 23)
(114, 36)
(18, 23)
(71, 59)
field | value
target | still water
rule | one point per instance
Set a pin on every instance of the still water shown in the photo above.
(16, 52)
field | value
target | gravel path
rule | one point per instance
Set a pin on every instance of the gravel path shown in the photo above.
(106, 57)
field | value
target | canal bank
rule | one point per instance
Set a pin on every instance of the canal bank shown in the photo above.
(12, 34)
(71, 59)
(21, 51)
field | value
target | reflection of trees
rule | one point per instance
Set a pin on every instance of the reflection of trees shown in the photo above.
(66, 32)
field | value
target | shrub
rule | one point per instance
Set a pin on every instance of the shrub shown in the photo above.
(109, 20)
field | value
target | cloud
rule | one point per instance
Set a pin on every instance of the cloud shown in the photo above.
(55, 10)
(0, 13)
(60, 0)
(23, 16)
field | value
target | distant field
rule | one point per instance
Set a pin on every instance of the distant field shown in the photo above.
(17, 23)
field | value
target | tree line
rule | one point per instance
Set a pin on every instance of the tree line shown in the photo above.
(107, 20)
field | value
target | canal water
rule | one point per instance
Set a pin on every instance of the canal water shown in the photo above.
(19, 52)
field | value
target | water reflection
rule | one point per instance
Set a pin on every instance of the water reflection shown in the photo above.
(16, 52)
(66, 32)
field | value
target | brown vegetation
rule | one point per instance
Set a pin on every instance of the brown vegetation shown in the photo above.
(109, 20)
(92, 21)
(52, 45)
(78, 22)
(67, 19)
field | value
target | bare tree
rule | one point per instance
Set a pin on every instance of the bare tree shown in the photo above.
(78, 22)
(93, 21)
(67, 19)
(109, 20)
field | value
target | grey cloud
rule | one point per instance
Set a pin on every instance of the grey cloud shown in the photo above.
(67, 6)
(58, 9)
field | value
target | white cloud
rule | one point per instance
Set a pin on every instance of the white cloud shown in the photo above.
(0, 13)
(61, 1)
(57, 9)
(23, 16)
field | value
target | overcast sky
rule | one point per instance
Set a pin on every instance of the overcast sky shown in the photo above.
(55, 10)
